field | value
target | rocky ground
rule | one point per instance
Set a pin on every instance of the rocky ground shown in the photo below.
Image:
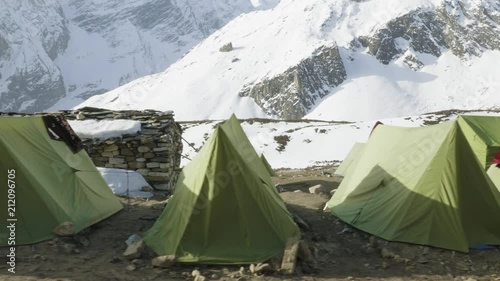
(336, 251)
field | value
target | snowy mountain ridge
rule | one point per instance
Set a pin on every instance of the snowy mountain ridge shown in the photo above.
(333, 59)
(66, 51)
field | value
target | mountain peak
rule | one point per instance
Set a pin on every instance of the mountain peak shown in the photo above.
(332, 59)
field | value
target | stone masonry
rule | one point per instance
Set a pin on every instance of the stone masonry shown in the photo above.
(154, 152)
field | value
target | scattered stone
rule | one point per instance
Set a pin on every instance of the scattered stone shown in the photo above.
(252, 268)
(195, 273)
(76, 251)
(226, 48)
(263, 268)
(82, 240)
(163, 261)
(290, 255)
(298, 191)
(214, 276)
(131, 267)
(64, 229)
(135, 246)
(386, 254)
(137, 262)
(370, 250)
(422, 260)
(317, 189)
(69, 248)
(200, 278)
(385, 265)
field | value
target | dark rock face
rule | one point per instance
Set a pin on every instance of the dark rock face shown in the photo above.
(430, 32)
(4, 48)
(465, 32)
(35, 33)
(28, 45)
(290, 94)
(27, 86)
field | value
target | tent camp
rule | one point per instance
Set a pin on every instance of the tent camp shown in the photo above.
(350, 160)
(53, 179)
(268, 166)
(225, 209)
(424, 186)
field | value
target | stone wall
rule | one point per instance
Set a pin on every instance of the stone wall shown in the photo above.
(154, 152)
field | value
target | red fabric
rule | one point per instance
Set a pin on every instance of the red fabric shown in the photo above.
(496, 160)
(375, 126)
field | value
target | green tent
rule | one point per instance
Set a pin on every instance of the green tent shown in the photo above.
(52, 184)
(421, 185)
(268, 166)
(483, 134)
(494, 173)
(225, 209)
(350, 160)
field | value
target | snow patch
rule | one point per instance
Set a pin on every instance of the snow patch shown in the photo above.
(104, 129)
(125, 183)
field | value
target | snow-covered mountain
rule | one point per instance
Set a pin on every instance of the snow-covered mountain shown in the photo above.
(333, 59)
(64, 51)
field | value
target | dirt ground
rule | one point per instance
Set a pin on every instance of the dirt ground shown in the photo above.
(339, 253)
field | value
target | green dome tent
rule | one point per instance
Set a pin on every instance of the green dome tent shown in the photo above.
(52, 184)
(423, 186)
(350, 160)
(483, 134)
(225, 209)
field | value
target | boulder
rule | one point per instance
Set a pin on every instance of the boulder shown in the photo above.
(317, 189)
(163, 261)
(64, 229)
(226, 48)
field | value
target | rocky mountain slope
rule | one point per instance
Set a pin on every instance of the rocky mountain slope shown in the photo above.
(66, 51)
(333, 59)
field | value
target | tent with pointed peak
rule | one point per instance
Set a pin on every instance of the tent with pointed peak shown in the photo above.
(225, 209)
(54, 181)
(350, 160)
(272, 173)
(423, 186)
